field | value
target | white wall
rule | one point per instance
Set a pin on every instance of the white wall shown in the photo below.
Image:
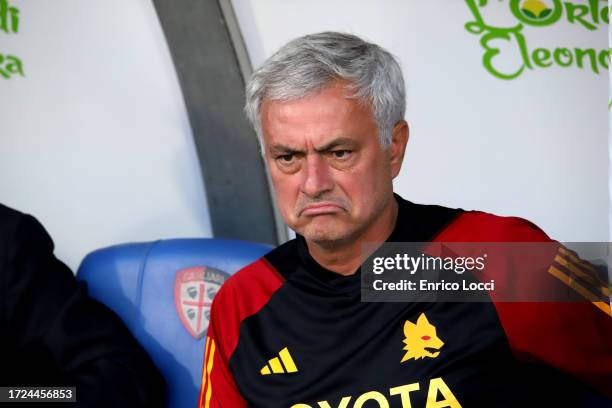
(95, 140)
(535, 146)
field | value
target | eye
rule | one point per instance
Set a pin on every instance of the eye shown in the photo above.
(341, 154)
(286, 158)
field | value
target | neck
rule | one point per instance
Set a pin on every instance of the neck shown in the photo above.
(345, 258)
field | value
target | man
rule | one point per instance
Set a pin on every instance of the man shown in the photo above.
(290, 330)
(53, 334)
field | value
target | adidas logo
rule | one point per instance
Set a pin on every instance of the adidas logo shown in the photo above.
(280, 365)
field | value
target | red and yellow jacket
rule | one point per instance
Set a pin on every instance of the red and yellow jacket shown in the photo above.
(285, 332)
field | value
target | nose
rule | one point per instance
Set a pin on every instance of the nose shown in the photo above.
(318, 177)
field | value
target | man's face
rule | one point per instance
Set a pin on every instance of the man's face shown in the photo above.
(332, 178)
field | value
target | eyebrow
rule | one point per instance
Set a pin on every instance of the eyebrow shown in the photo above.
(340, 141)
(282, 149)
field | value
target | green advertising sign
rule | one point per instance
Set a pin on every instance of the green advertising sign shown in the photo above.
(539, 14)
(9, 24)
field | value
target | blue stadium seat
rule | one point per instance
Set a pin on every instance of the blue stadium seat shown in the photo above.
(162, 290)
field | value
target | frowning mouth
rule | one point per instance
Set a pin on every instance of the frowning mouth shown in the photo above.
(321, 209)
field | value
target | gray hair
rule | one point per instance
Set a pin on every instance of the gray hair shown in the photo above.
(307, 64)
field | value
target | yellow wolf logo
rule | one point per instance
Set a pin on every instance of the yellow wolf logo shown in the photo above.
(421, 339)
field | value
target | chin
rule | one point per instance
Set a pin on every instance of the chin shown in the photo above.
(327, 237)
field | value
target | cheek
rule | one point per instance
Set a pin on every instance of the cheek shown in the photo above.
(286, 189)
(366, 184)
(358, 188)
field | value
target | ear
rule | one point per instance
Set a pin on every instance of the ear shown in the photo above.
(408, 327)
(399, 140)
(422, 320)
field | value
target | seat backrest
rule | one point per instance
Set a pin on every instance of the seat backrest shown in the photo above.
(162, 290)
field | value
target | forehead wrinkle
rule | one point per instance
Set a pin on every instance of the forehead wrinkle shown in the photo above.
(317, 122)
(289, 111)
